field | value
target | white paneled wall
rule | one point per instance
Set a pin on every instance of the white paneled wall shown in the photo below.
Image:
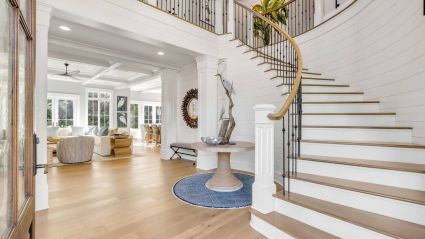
(378, 47)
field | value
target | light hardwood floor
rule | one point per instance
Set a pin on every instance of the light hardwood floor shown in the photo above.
(131, 199)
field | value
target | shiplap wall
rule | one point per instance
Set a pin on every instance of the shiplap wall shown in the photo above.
(377, 46)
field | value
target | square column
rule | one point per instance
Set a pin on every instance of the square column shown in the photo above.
(40, 103)
(263, 187)
(169, 103)
(207, 107)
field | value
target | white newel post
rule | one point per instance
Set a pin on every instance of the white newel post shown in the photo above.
(40, 104)
(264, 186)
(207, 107)
(319, 6)
(169, 79)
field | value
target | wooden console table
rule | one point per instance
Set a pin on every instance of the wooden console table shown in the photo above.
(223, 179)
(122, 147)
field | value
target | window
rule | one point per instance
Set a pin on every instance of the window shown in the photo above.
(158, 114)
(98, 108)
(62, 109)
(65, 113)
(49, 112)
(144, 113)
(148, 114)
(134, 116)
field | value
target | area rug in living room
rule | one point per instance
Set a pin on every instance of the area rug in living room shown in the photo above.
(192, 190)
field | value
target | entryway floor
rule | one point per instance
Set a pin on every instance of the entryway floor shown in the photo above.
(131, 199)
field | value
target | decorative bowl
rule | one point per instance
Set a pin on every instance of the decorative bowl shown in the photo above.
(212, 140)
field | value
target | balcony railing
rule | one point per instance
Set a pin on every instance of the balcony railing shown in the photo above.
(211, 15)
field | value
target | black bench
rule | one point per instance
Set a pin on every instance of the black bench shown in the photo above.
(177, 147)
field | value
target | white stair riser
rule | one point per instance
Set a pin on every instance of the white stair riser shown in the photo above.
(326, 89)
(391, 154)
(268, 230)
(382, 135)
(415, 181)
(388, 207)
(326, 223)
(340, 108)
(332, 97)
(343, 120)
(317, 81)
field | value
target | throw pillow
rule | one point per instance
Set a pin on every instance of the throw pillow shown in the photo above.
(52, 131)
(103, 131)
(77, 131)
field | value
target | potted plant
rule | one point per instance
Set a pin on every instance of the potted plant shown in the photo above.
(276, 11)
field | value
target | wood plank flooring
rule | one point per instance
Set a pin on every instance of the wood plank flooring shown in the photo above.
(131, 199)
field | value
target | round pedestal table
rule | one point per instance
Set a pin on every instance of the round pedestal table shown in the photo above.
(223, 179)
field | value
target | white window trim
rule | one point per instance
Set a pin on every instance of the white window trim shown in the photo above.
(141, 108)
(111, 92)
(56, 96)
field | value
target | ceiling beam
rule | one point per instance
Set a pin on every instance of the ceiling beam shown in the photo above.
(102, 72)
(139, 81)
(107, 52)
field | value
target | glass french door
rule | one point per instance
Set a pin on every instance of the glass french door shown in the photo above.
(16, 118)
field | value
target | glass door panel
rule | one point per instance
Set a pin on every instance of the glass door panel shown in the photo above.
(22, 109)
(5, 119)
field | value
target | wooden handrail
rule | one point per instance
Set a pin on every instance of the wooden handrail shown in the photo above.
(289, 100)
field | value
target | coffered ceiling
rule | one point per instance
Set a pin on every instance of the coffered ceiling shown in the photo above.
(108, 60)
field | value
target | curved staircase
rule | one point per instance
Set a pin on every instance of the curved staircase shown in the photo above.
(347, 170)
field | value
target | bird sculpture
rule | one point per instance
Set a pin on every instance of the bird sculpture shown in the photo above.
(228, 90)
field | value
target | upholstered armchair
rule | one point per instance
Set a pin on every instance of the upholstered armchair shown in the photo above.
(75, 149)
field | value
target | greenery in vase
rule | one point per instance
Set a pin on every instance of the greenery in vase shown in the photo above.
(275, 11)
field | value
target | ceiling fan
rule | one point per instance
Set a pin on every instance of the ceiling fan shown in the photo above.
(70, 74)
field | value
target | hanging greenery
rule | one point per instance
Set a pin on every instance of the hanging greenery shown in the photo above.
(273, 10)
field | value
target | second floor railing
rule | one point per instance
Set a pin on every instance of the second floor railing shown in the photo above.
(211, 15)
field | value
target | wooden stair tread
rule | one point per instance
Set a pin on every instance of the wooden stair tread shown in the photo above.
(342, 102)
(293, 227)
(317, 78)
(355, 127)
(379, 223)
(367, 143)
(333, 93)
(317, 85)
(402, 194)
(353, 113)
(397, 166)
(326, 85)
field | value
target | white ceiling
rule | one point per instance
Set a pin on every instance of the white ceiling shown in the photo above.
(108, 60)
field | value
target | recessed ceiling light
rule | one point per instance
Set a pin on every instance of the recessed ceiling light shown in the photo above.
(65, 28)
(160, 53)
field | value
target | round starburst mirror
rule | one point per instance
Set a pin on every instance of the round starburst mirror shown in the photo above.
(190, 108)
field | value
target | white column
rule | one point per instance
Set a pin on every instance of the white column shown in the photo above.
(169, 79)
(207, 107)
(231, 17)
(263, 187)
(219, 16)
(40, 116)
(319, 14)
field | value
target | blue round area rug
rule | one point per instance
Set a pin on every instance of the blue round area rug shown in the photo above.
(192, 190)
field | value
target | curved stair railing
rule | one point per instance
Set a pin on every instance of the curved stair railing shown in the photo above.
(277, 48)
